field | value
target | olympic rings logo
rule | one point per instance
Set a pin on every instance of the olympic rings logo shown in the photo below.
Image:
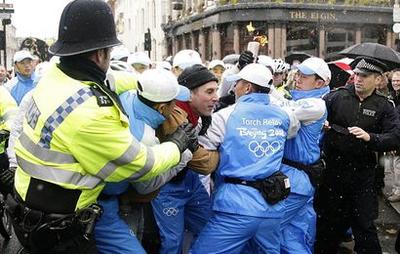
(170, 211)
(264, 148)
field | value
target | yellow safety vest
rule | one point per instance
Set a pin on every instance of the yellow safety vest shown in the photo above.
(8, 109)
(76, 139)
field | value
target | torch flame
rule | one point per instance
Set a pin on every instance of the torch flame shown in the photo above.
(250, 27)
(262, 39)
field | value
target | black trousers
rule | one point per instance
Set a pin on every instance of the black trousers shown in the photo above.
(65, 241)
(347, 198)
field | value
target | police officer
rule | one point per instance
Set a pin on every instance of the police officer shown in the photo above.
(76, 137)
(360, 122)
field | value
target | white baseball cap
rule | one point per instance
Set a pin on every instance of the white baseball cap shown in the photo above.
(186, 58)
(160, 85)
(255, 73)
(315, 65)
(267, 61)
(21, 55)
(120, 52)
(140, 58)
(164, 64)
(215, 63)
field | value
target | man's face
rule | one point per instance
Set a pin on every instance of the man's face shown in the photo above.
(3, 73)
(241, 88)
(25, 67)
(140, 67)
(307, 82)
(176, 71)
(278, 78)
(165, 108)
(365, 83)
(218, 71)
(204, 98)
(396, 81)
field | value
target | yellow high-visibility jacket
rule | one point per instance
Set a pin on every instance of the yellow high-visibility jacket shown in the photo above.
(76, 137)
(8, 109)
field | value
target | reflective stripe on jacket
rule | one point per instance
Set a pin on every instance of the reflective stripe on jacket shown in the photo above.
(70, 140)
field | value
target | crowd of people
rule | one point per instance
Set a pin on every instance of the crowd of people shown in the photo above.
(109, 152)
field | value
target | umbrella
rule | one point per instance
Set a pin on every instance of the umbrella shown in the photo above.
(341, 72)
(301, 56)
(231, 59)
(374, 50)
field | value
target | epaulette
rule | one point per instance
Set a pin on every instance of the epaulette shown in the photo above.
(103, 100)
(377, 92)
(338, 88)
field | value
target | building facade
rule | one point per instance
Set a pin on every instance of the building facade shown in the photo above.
(11, 46)
(134, 18)
(317, 27)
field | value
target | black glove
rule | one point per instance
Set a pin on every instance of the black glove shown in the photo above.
(184, 137)
(7, 181)
(245, 58)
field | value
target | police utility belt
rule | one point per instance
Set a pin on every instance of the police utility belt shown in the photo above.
(274, 188)
(32, 221)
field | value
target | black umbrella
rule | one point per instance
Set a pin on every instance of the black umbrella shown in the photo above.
(374, 50)
(301, 56)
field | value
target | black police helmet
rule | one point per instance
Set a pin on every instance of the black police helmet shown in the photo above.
(85, 25)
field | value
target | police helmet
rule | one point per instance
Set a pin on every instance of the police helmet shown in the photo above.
(85, 25)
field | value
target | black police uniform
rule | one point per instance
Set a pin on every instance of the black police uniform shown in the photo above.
(347, 197)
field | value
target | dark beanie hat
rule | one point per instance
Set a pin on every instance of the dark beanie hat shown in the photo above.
(195, 76)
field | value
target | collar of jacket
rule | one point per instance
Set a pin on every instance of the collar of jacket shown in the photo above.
(83, 69)
(150, 116)
(192, 116)
(255, 97)
(23, 79)
(314, 93)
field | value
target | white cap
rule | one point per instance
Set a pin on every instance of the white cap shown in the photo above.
(186, 58)
(267, 61)
(257, 74)
(164, 65)
(215, 63)
(21, 55)
(118, 53)
(159, 85)
(140, 58)
(315, 65)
